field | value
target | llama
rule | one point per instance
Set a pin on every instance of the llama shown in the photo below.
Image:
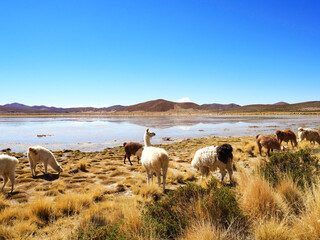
(40, 154)
(210, 158)
(269, 142)
(154, 159)
(132, 148)
(7, 170)
(309, 134)
(287, 135)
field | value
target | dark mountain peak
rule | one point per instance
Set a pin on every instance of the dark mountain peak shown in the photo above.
(218, 107)
(281, 103)
(16, 105)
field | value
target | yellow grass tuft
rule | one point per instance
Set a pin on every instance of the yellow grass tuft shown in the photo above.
(149, 191)
(72, 203)
(273, 230)
(98, 194)
(202, 229)
(258, 199)
(308, 224)
(44, 209)
(290, 193)
(83, 165)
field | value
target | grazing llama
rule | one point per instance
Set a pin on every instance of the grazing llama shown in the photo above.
(40, 154)
(154, 159)
(7, 169)
(269, 142)
(309, 134)
(132, 148)
(286, 136)
(210, 158)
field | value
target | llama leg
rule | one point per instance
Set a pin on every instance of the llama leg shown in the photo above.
(223, 173)
(45, 168)
(124, 160)
(138, 160)
(159, 178)
(260, 148)
(12, 179)
(34, 169)
(148, 176)
(31, 167)
(202, 172)
(164, 179)
(129, 160)
(230, 171)
(5, 179)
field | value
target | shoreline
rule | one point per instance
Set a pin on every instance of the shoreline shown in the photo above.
(148, 114)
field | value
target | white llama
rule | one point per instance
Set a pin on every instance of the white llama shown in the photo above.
(7, 169)
(40, 154)
(154, 159)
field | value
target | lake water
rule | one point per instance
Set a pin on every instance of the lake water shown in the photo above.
(91, 134)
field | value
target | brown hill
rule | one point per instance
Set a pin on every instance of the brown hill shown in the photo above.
(313, 106)
(281, 103)
(220, 107)
(161, 105)
(21, 108)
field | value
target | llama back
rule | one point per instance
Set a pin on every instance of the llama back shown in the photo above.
(204, 157)
(151, 153)
(7, 163)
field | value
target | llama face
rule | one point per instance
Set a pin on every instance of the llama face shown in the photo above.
(150, 134)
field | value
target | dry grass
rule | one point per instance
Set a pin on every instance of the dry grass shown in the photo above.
(83, 165)
(258, 199)
(96, 189)
(201, 230)
(273, 230)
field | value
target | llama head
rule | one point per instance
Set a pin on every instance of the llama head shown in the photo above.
(150, 134)
(33, 151)
(147, 136)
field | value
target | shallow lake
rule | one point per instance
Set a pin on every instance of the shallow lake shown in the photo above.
(93, 134)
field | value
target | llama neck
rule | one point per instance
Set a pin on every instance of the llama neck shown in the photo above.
(147, 142)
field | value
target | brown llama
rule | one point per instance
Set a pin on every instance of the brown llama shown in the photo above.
(132, 148)
(286, 136)
(269, 142)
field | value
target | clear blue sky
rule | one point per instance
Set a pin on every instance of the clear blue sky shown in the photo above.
(101, 53)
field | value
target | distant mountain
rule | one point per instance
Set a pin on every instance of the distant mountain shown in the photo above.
(220, 107)
(21, 108)
(281, 103)
(16, 105)
(313, 106)
(162, 105)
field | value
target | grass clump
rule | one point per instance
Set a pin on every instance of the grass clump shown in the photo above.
(109, 232)
(301, 166)
(171, 215)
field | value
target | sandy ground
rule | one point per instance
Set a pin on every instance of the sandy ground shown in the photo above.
(106, 168)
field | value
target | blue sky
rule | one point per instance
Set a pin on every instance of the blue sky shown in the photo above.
(101, 53)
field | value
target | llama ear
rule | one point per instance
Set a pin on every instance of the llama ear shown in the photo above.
(147, 130)
(32, 150)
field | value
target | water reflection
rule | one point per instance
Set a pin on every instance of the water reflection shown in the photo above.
(110, 131)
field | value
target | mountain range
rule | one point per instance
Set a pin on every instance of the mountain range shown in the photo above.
(161, 105)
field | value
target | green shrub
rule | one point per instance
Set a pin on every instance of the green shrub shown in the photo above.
(301, 166)
(222, 206)
(109, 232)
(169, 216)
(166, 217)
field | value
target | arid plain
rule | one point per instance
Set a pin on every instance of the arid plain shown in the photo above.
(97, 196)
